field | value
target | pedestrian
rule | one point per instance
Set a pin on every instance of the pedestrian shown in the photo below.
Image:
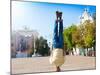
(58, 53)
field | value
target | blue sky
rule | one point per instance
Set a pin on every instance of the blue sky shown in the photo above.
(41, 16)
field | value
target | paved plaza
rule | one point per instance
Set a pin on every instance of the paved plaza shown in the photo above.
(41, 64)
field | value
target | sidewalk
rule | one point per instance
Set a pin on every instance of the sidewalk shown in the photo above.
(41, 64)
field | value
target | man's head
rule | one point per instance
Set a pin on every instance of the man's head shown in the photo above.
(58, 15)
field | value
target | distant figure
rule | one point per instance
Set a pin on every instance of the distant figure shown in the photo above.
(57, 55)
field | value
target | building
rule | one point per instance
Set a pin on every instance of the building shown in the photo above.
(86, 16)
(22, 42)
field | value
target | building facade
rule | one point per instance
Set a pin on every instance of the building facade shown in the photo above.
(86, 16)
(22, 42)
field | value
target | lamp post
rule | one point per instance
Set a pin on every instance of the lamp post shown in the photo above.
(34, 48)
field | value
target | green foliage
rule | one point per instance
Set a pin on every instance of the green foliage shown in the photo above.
(83, 35)
(89, 35)
(42, 47)
(68, 36)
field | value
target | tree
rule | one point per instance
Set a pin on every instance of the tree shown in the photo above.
(42, 47)
(69, 40)
(94, 25)
(90, 34)
(76, 37)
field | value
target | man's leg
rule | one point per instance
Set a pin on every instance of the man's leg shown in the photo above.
(61, 26)
(55, 39)
(61, 33)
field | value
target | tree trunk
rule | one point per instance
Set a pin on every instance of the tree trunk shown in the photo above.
(75, 50)
(87, 52)
(72, 51)
(94, 49)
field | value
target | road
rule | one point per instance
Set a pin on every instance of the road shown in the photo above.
(41, 64)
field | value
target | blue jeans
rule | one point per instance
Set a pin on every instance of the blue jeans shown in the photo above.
(58, 35)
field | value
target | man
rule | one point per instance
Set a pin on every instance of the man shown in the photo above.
(57, 55)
